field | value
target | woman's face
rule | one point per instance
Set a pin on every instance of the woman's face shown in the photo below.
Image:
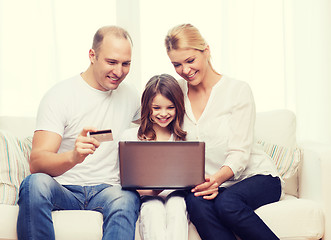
(190, 64)
(163, 111)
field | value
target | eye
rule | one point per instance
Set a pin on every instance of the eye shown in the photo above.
(176, 65)
(191, 60)
(155, 107)
(126, 64)
(171, 107)
(112, 62)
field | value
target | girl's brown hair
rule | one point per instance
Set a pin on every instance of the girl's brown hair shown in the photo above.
(167, 86)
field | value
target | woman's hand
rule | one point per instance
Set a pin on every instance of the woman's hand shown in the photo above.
(208, 189)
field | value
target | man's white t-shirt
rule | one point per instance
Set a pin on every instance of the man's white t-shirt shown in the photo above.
(72, 105)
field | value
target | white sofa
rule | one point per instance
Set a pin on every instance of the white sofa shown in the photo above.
(302, 213)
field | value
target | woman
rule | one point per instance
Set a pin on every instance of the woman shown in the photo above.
(163, 214)
(221, 111)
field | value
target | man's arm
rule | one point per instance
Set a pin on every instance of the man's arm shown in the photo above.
(45, 145)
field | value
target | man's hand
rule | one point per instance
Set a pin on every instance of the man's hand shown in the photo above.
(84, 145)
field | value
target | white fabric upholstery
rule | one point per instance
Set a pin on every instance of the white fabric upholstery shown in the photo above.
(297, 224)
(291, 218)
(277, 127)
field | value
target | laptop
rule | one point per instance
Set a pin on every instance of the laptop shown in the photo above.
(161, 164)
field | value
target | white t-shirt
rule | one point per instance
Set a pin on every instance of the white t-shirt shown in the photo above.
(227, 127)
(72, 105)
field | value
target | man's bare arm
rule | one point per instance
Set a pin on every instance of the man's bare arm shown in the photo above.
(45, 145)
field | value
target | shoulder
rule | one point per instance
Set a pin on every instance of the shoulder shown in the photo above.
(235, 88)
(183, 85)
(63, 87)
(233, 82)
(130, 134)
(125, 89)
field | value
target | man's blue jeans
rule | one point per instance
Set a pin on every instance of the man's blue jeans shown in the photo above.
(232, 211)
(40, 194)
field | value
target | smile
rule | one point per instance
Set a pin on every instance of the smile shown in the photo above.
(191, 76)
(163, 120)
(113, 79)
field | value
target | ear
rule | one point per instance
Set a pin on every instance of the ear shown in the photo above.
(92, 55)
(207, 51)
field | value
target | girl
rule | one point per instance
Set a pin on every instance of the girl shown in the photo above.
(162, 214)
(221, 112)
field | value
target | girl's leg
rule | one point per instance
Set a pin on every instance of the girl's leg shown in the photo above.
(152, 219)
(235, 206)
(177, 222)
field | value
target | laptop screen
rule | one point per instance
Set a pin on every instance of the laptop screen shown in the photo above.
(161, 165)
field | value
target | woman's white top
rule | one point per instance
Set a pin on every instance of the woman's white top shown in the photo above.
(227, 127)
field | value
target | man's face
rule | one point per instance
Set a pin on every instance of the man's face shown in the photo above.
(111, 64)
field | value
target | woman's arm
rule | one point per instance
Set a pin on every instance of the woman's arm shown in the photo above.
(239, 143)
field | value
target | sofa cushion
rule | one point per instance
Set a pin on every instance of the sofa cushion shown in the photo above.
(8, 220)
(14, 167)
(278, 127)
(293, 218)
(286, 159)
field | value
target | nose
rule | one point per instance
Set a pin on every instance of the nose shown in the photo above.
(163, 112)
(118, 70)
(186, 69)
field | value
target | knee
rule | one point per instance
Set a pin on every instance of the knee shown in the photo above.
(123, 200)
(198, 207)
(193, 202)
(153, 209)
(229, 206)
(38, 184)
(175, 205)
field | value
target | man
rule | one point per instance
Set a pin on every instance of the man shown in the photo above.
(71, 170)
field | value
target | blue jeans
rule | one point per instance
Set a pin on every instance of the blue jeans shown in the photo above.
(40, 194)
(232, 211)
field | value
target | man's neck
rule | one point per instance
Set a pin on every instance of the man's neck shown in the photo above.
(88, 76)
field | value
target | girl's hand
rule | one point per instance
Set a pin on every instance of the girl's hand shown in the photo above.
(208, 189)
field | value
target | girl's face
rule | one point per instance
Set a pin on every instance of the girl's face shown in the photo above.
(190, 64)
(163, 111)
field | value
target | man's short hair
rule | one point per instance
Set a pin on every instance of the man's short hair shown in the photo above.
(103, 31)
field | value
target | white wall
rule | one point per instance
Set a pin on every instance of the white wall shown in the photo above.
(312, 67)
(282, 48)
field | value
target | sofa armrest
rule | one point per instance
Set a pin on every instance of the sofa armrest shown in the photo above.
(315, 177)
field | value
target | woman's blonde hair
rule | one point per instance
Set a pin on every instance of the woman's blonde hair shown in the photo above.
(186, 36)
